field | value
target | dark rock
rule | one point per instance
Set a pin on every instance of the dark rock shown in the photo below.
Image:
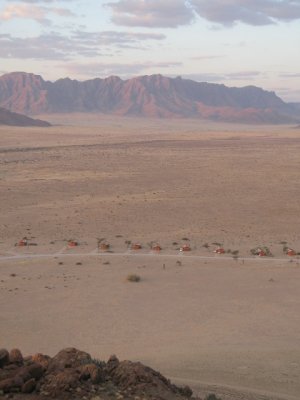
(97, 376)
(35, 370)
(29, 386)
(18, 381)
(138, 378)
(61, 382)
(72, 374)
(93, 372)
(15, 356)
(6, 385)
(4, 357)
(68, 358)
(41, 359)
(112, 363)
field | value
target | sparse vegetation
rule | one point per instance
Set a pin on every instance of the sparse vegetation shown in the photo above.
(261, 251)
(133, 278)
(285, 249)
(212, 396)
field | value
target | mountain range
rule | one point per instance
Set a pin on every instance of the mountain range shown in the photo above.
(144, 96)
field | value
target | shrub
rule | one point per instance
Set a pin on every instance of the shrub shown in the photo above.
(98, 363)
(212, 396)
(133, 278)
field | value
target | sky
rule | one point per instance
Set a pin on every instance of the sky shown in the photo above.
(230, 42)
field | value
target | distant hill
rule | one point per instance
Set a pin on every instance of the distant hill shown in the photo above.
(13, 119)
(144, 96)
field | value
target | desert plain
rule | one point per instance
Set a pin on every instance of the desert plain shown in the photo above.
(228, 324)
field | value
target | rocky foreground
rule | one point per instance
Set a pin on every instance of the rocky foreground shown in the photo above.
(73, 374)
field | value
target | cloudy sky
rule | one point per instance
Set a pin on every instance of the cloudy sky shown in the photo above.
(235, 42)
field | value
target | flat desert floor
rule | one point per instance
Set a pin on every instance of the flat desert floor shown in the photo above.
(223, 323)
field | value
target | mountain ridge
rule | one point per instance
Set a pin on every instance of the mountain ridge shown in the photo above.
(9, 118)
(144, 96)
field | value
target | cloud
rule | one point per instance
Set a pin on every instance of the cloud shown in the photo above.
(212, 57)
(290, 75)
(173, 13)
(288, 94)
(252, 12)
(151, 13)
(36, 13)
(39, 1)
(123, 70)
(242, 75)
(119, 39)
(44, 47)
(53, 46)
(215, 77)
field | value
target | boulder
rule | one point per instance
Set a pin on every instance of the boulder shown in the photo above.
(8, 385)
(63, 381)
(35, 370)
(41, 359)
(68, 358)
(4, 357)
(15, 357)
(29, 386)
(139, 379)
(112, 363)
(93, 372)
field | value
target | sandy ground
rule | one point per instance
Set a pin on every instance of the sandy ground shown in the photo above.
(226, 325)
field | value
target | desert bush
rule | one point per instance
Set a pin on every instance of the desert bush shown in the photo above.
(133, 278)
(98, 363)
(257, 250)
(212, 396)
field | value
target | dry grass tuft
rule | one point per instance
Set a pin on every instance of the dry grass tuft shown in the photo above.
(133, 278)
